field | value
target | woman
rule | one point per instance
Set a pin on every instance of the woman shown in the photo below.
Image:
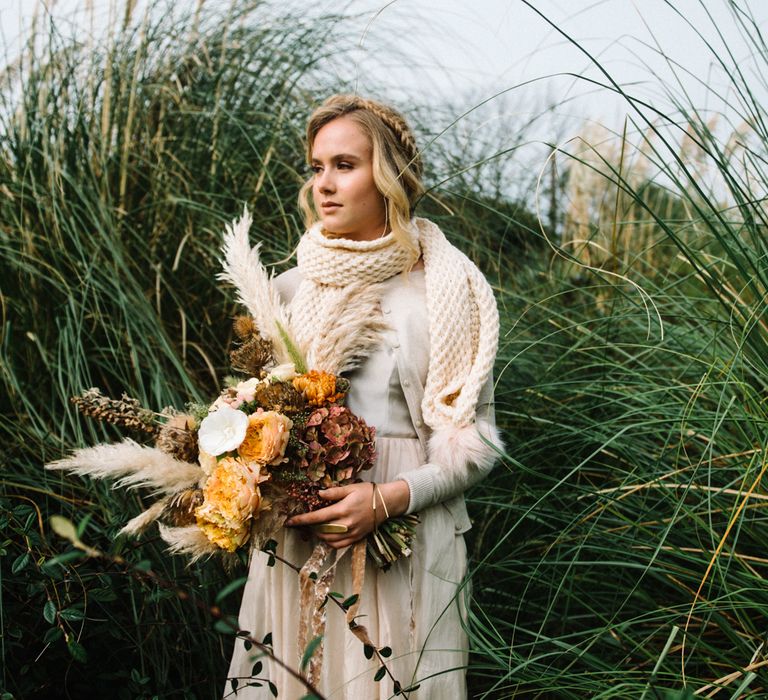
(425, 384)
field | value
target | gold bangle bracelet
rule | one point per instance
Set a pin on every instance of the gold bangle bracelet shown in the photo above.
(383, 502)
(373, 505)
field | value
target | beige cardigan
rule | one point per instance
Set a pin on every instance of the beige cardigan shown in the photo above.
(430, 484)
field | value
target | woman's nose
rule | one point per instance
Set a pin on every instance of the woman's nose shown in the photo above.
(324, 181)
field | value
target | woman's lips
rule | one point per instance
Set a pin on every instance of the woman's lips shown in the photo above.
(329, 205)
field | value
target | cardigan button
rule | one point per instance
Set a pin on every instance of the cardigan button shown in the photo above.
(406, 383)
(418, 423)
(395, 345)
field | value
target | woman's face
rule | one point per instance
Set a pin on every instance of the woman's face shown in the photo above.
(343, 189)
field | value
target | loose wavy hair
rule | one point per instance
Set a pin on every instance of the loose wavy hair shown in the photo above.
(397, 167)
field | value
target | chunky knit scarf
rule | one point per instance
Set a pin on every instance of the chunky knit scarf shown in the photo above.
(336, 318)
(335, 312)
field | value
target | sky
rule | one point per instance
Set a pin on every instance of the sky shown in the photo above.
(470, 50)
(507, 57)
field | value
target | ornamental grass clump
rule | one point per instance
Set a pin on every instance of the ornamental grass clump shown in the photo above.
(125, 146)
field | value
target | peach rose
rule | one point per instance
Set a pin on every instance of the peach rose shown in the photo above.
(207, 462)
(266, 437)
(231, 497)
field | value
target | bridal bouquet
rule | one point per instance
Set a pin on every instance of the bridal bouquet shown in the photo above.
(234, 471)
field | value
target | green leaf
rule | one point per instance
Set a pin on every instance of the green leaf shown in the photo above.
(53, 634)
(20, 562)
(104, 595)
(256, 670)
(83, 524)
(313, 644)
(380, 674)
(30, 521)
(61, 560)
(272, 688)
(234, 683)
(71, 614)
(230, 587)
(247, 643)
(349, 602)
(271, 561)
(386, 652)
(49, 612)
(77, 651)
(225, 626)
(368, 651)
(267, 639)
(65, 528)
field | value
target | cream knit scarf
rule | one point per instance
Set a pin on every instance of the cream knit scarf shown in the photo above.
(336, 317)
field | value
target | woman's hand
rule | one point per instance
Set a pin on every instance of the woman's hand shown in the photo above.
(353, 507)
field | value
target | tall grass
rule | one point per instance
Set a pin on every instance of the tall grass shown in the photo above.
(617, 550)
(119, 164)
(630, 560)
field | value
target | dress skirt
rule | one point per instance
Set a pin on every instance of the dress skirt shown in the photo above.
(417, 608)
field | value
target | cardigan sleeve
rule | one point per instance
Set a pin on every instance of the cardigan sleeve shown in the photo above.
(459, 457)
(287, 283)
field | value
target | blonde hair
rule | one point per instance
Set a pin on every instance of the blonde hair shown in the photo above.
(397, 164)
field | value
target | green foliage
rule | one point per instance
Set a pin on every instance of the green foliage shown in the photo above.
(619, 551)
(119, 165)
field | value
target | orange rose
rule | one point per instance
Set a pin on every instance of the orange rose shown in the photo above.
(231, 497)
(319, 388)
(266, 437)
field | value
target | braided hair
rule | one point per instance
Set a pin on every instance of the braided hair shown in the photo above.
(397, 165)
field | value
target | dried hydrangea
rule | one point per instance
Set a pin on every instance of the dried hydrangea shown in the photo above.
(339, 445)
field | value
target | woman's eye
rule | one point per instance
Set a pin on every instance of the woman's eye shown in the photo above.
(315, 168)
(345, 166)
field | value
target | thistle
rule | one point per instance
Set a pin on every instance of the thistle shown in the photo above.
(252, 356)
(244, 327)
(178, 437)
(180, 510)
(281, 397)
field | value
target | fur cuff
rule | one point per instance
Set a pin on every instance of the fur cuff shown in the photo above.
(456, 448)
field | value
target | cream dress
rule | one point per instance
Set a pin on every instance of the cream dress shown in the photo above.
(416, 607)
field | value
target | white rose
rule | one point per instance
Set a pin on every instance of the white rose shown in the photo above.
(246, 391)
(222, 431)
(283, 373)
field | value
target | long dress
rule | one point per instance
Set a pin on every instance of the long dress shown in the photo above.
(417, 607)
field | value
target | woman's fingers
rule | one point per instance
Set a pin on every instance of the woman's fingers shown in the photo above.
(321, 515)
(352, 509)
(334, 493)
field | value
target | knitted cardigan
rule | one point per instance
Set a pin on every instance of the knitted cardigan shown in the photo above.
(463, 443)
